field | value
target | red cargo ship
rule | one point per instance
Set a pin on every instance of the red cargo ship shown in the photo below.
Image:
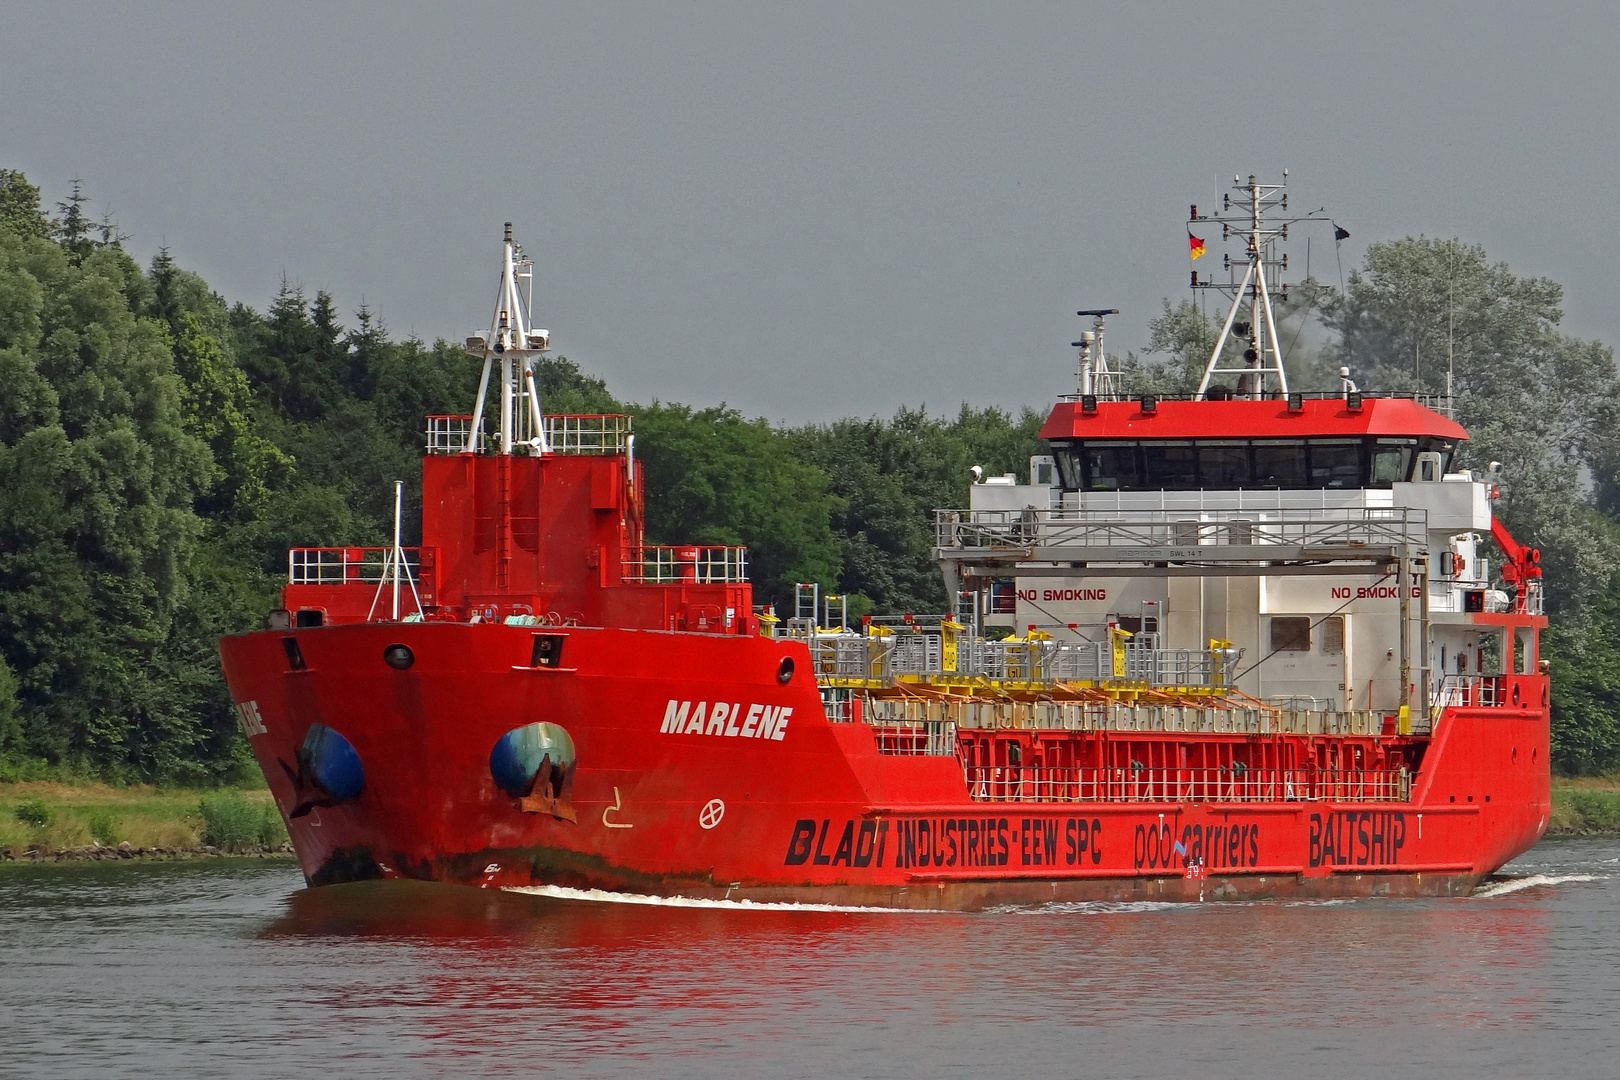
(1244, 645)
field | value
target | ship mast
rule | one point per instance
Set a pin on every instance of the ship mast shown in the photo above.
(1093, 377)
(508, 351)
(1244, 217)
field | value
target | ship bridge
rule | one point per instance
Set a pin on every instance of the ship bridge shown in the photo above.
(1326, 538)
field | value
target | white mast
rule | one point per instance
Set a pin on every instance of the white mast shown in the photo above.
(1094, 376)
(508, 351)
(394, 563)
(1262, 359)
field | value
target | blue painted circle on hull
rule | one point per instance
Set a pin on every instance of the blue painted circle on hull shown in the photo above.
(334, 762)
(515, 759)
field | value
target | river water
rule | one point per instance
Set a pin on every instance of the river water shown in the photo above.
(233, 969)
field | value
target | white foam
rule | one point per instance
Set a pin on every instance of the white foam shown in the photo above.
(603, 896)
(1093, 907)
(1532, 881)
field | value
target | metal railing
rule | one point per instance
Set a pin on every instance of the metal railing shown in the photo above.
(927, 738)
(1440, 403)
(1035, 783)
(346, 565)
(598, 433)
(448, 434)
(668, 564)
(851, 656)
(1155, 530)
(1470, 692)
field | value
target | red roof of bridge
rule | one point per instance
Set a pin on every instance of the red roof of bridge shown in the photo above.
(1326, 417)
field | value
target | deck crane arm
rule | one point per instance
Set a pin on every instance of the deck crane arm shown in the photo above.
(1521, 565)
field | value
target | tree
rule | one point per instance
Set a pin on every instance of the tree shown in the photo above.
(97, 480)
(889, 479)
(1537, 401)
(1586, 685)
(713, 477)
(19, 206)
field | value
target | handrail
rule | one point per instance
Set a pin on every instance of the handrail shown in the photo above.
(1470, 692)
(916, 738)
(1214, 528)
(886, 657)
(588, 433)
(1035, 783)
(347, 565)
(671, 563)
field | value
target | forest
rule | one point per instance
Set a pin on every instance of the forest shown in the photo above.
(161, 448)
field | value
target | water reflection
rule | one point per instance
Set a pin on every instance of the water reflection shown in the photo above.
(133, 971)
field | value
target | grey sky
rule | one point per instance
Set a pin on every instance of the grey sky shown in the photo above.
(811, 210)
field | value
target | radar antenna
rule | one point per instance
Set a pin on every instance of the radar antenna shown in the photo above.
(1093, 374)
(511, 346)
(1244, 217)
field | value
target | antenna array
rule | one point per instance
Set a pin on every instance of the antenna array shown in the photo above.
(1251, 216)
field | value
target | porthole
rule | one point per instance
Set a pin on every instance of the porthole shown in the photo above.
(399, 657)
(784, 670)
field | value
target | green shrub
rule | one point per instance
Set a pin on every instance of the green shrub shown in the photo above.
(34, 813)
(272, 831)
(230, 821)
(103, 828)
(1597, 809)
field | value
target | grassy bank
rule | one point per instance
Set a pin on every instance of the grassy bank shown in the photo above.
(55, 817)
(1585, 804)
(52, 817)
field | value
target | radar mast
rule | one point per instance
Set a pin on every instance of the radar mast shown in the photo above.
(1244, 217)
(510, 347)
(1093, 375)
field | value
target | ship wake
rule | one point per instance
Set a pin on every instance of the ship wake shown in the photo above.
(603, 896)
(1532, 881)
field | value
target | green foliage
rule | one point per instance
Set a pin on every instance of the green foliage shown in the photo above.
(1586, 686)
(890, 476)
(19, 206)
(103, 827)
(233, 823)
(1540, 402)
(33, 813)
(1596, 810)
(713, 477)
(10, 732)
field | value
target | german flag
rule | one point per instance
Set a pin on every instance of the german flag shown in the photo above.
(1195, 246)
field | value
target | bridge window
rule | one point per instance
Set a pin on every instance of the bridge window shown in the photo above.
(1335, 463)
(1391, 461)
(1279, 464)
(1230, 464)
(1170, 466)
(1109, 466)
(1224, 465)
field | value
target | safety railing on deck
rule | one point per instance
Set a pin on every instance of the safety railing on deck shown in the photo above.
(604, 433)
(852, 656)
(927, 738)
(1156, 529)
(658, 565)
(346, 565)
(448, 434)
(1035, 783)
(1470, 692)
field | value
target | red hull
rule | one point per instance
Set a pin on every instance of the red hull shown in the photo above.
(817, 814)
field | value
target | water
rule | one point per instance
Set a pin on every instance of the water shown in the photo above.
(233, 969)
